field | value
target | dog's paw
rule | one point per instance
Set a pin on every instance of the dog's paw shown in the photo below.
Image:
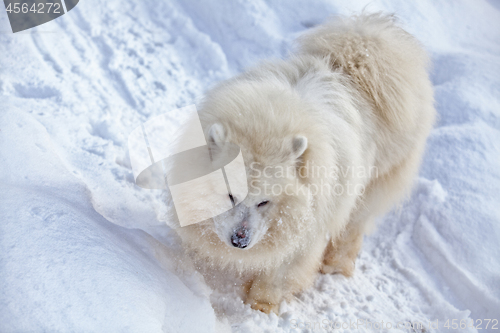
(265, 307)
(328, 269)
(346, 268)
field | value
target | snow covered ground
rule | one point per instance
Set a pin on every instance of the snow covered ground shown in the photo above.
(81, 248)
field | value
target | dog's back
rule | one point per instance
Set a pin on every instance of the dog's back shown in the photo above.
(386, 63)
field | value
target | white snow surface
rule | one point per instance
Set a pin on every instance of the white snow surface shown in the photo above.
(81, 247)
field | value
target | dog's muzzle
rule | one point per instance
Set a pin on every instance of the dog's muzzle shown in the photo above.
(240, 238)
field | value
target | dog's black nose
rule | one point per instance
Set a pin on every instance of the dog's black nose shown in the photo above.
(240, 238)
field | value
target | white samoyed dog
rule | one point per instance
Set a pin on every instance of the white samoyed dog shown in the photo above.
(331, 138)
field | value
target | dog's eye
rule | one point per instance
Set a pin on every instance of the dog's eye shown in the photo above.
(263, 203)
(233, 200)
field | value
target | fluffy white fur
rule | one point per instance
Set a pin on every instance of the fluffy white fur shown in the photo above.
(354, 96)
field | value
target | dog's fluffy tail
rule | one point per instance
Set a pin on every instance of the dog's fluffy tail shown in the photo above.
(383, 60)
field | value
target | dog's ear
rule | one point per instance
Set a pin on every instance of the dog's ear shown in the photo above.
(299, 146)
(217, 135)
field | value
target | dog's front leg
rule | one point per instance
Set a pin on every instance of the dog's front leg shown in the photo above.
(266, 291)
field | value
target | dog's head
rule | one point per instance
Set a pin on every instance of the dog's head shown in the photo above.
(273, 186)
